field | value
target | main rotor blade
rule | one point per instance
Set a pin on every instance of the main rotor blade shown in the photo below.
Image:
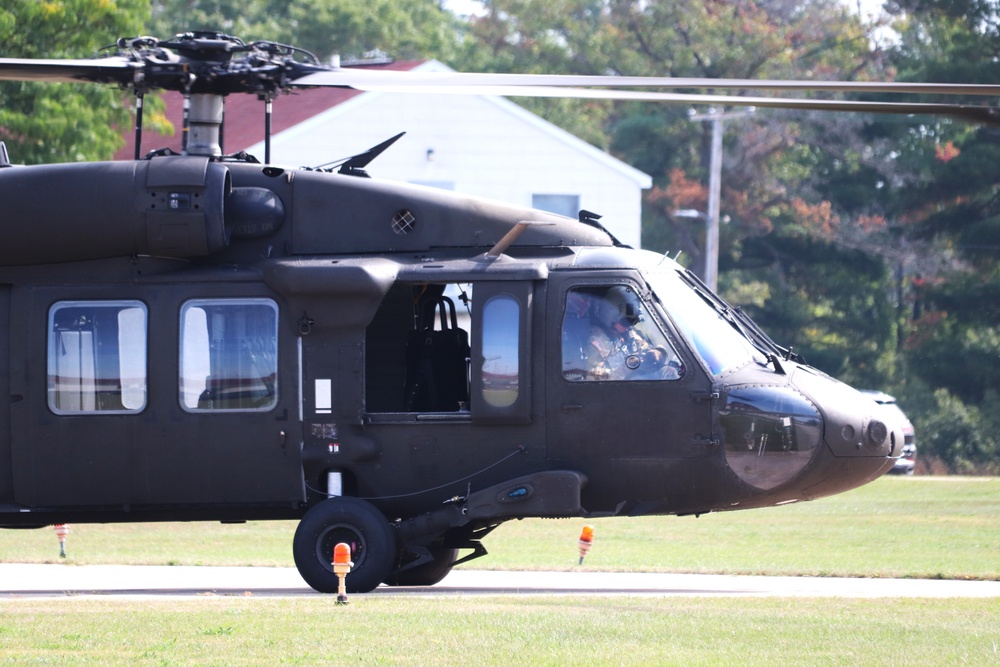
(124, 71)
(98, 70)
(365, 79)
(172, 75)
(979, 114)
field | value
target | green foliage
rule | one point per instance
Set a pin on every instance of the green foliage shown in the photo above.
(825, 301)
(247, 19)
(401, 29)
(947, 199)
(953, 433)
(948, 40)
(65, 28)
(645, 133)
(63, 122)
(962, 437)
(964, 359)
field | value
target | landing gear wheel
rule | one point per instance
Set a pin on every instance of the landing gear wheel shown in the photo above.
(426, 574)
(358, 524)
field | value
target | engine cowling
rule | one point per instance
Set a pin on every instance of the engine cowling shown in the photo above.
(166, 207)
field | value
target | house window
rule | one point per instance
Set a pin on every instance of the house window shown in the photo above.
(97, 357)
(228, 354)
(568, 205)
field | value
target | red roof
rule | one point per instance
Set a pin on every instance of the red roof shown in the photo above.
(244, 119)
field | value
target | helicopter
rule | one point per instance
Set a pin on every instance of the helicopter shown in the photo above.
(208, 337)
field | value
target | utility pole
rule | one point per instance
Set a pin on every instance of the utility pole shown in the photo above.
(717, 118)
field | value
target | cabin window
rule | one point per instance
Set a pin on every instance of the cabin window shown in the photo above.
(228, 354)
(501, 357)
(97, 357)
(609, 334)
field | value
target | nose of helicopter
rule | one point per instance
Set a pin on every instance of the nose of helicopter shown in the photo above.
(861, 439)
(808, 438)
(854, 424)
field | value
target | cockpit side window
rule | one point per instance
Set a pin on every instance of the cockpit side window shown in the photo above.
(608, 334)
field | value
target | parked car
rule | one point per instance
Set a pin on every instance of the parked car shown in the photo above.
(908, 460)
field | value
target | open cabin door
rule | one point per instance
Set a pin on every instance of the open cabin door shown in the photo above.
(447, 418)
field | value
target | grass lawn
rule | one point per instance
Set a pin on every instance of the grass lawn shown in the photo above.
(928, 527)
(896, 527)
(500, 630)
(948, 527)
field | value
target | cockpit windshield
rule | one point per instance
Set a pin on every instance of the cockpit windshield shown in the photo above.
(717, 340)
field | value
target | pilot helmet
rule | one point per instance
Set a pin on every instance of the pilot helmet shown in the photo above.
(620, 305)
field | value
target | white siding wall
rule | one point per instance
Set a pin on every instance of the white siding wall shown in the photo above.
(483, 146)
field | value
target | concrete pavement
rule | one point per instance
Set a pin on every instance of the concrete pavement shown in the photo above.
(58, 580)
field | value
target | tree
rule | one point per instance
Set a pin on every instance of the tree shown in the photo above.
(949, 198)
(45, 122)
(936, 203)
(402, 29)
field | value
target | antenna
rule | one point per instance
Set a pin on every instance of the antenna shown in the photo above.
(354, 165)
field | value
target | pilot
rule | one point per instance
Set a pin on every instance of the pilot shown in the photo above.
(614, 339)
(605, 337)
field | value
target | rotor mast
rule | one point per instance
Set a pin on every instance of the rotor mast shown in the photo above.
(205, 67)
(203, 117)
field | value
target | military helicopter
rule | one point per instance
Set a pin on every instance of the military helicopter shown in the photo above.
(229, 340)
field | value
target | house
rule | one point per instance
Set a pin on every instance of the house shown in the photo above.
(477, 145)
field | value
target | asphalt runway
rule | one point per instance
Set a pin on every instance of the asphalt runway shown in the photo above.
(57, 581)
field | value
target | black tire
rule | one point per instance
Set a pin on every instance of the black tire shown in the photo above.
(355, 522)
(426, 574)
